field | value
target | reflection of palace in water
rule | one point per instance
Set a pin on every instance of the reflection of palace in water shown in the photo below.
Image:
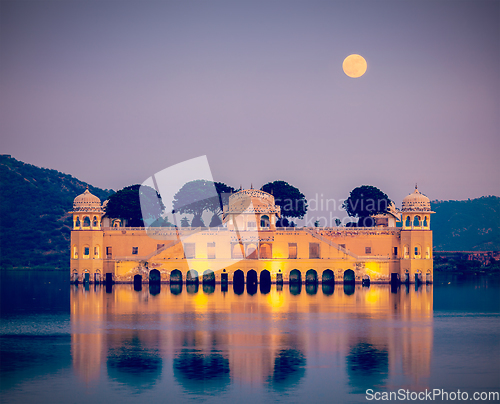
(206, 339)
(249, 248)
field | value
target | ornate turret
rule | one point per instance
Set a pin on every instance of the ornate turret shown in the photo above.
(416, 238)
(87, 212)
(416, 211)
(87, 238)
(251, 209)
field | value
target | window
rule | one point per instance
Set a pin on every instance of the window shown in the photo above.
(86, 221)
(86, 252)
(135, 250)
(211, 251)
(416, 221)
(94, 221)
(368, 250)
(252, 224)
(75, 252)
(252, 252)
(109, 251)
(428, 253)
(395, 251)
(96, 251)
(407, 223)
(292, 250)
(313, 250)
(237, 251)
(264, 221)
(190, 250)
(426, 224)
(406, 252)
(417, 251)
(265, 251)
(77, 222)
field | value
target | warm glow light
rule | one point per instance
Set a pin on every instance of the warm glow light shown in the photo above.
(200, 300)
(275, 299)
(354, 66)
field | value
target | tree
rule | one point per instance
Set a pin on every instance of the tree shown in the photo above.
(126, 204)
(365, 201)
(197, 196)
(184, 222)
(293, 203)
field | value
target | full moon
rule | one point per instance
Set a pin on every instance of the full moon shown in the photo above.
(354, 66)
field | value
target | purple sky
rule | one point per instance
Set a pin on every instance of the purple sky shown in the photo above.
(112, 92)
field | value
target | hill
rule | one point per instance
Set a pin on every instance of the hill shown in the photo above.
(472, 225)
(34, 222)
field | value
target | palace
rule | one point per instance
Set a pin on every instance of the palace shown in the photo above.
(249, 248)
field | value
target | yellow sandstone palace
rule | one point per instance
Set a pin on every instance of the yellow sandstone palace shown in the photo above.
(250, 248)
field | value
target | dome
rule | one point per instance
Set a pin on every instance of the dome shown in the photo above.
(252, 201)
(416, 202)
(87, 202)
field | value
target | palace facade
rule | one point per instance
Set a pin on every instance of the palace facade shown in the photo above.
(250, 248)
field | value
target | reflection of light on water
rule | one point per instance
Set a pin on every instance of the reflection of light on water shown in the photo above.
(275, 299)
(200, 300)
(372, 295)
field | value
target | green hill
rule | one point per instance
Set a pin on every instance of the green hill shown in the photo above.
(34, 224)
(472, 225)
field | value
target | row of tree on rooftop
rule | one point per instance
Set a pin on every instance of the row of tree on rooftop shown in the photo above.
(199, 196)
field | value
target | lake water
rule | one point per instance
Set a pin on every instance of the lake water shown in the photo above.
(63, 343)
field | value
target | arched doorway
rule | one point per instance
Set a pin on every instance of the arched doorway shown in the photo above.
(192, 276)
(238, 282)
(176, 276)
(264, 221)
(328, 276)
(154, 276)
(97, 277)
(311, 276)
(138, 282)
(238, 277)
(265, 277)
(295, 276)
(252, 277)
(208, 277)
(349, 276)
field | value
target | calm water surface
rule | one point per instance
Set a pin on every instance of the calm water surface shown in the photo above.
(76, 344)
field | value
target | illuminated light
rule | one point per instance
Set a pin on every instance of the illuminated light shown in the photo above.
(275, 299)
(200, 299)
(372, 295)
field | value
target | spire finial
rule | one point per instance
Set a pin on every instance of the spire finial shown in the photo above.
(251, 185)
(416, 186)
(241, 187)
